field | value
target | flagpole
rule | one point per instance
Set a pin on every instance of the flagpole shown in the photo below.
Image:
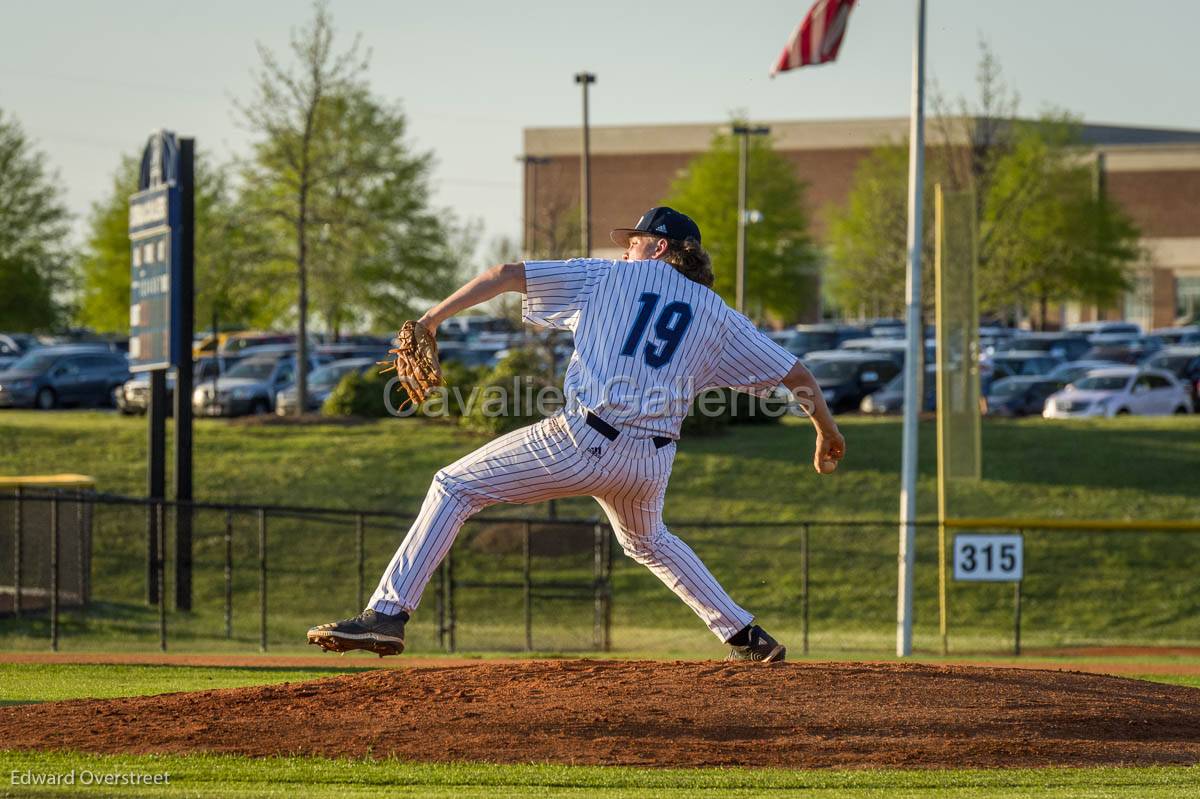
(916, 339)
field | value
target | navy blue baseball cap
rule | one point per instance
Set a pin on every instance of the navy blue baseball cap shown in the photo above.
(660, 221)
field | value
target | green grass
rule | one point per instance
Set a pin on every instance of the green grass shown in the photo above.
(46, 682)
(223, 775)
(26, 683)
(1080, 588)
(220, 776)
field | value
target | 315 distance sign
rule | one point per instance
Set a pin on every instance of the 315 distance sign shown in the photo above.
(989, 558)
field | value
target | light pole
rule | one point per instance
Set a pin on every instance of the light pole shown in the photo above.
(531, 178)
(585, 188)
(743, 132)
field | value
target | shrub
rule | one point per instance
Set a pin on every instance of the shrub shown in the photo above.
(362, 395)
(507, 396)
(728, 407)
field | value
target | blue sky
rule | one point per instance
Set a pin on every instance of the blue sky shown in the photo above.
(89, 80)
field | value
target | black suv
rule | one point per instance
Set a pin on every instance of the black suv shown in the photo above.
(846, 378)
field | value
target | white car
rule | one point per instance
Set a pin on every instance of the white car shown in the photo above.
(1118, 391)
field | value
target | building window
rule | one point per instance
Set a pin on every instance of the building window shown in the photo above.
(1187, 299)
(1139, 303)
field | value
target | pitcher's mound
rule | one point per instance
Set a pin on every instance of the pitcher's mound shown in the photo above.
(657, 714)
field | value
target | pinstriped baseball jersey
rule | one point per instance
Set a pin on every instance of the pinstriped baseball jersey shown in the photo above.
(647, 339)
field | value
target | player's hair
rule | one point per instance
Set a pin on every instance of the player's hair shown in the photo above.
(690, 260)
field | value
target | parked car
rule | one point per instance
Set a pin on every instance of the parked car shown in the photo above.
(1122, 348)
(358, 339)
(1178, 336)
(887, 328)
(331, 353)
(475, 355)
(1071, 371)
(994, 338)
(1184, 363)
(1020, 396)
(890, 398)
(469, 328)
(1094, 328)
(236, 343)
(1119, 391)
(1021, 363)
(803, 339)
(249, 387)
(846, 377)
(63, 375)
(321, 384)
(133, 397)
(14, 345)
(1064, 346)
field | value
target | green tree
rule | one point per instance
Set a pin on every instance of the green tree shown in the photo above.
(34, 262)
(343, 198)
(228, 257)
(105, 265)
(781, 261)
(1044, 232)
(868, 239)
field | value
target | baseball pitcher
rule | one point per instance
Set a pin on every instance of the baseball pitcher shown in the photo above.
(650, 334)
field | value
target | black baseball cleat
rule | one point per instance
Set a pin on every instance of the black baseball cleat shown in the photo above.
(759, 646)
(369, 630)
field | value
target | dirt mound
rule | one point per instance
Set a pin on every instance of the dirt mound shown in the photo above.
(655, 714)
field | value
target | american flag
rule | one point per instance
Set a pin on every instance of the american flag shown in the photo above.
(817, 39)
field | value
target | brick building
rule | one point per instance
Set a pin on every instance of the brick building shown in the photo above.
(1153, 173)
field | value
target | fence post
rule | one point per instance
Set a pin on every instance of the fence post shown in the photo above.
(1017, 618)
(360, 555)
(527, 586)
(608, 564)
(18, 524)
(79, 559)
(804, 589)
(450, 597)
(86, 535)
(54, 573)
(441, 605)
(160, 572)
(262, 579)
(228, 574)
(597, 587)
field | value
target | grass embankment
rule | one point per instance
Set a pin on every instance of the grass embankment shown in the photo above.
(1079, 587)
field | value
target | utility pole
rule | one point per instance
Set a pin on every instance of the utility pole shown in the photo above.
(743, 132)
(585, 79)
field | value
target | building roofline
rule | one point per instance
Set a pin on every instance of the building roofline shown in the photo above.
(826, 134)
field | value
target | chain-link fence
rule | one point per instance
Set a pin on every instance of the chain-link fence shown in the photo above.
(262, 575)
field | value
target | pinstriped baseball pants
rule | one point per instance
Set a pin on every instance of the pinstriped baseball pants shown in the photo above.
(561, 457)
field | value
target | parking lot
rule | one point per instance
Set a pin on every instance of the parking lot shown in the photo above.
(1105, 369)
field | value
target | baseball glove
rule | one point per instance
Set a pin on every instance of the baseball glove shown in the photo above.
(414, 356)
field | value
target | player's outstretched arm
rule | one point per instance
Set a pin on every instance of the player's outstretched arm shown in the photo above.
(481, 288)
(830, 446)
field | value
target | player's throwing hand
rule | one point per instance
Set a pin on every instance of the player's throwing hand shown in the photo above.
(830, 449)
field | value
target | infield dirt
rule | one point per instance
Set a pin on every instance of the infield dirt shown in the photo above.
(654, 714)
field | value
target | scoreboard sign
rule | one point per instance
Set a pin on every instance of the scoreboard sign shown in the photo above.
(989, 558)
(155, 260)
